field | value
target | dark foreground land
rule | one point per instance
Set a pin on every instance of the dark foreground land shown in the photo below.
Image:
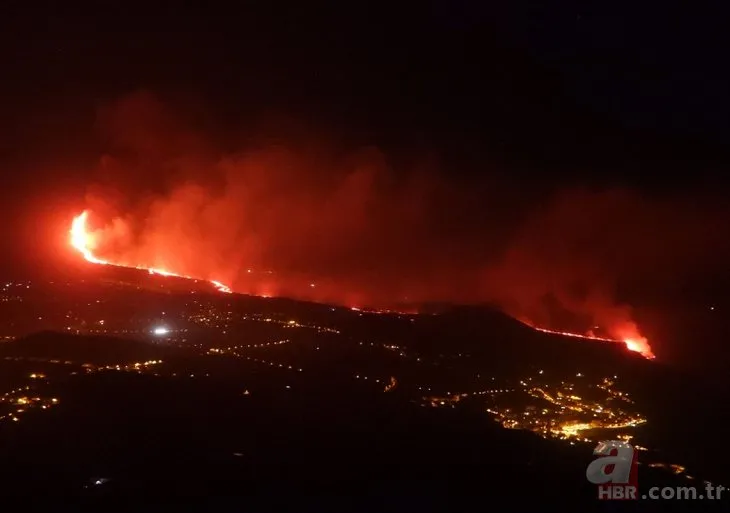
(251, 404)
(131, 442)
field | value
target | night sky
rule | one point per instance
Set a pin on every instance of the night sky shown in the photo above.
(591, 139)
(579, 90)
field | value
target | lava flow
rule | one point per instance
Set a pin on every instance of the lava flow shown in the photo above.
(83, 241)
(636, 343)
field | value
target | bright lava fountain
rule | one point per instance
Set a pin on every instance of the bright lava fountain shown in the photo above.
(83, 242)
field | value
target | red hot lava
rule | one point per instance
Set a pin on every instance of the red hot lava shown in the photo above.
(83, 241)
(633, 340)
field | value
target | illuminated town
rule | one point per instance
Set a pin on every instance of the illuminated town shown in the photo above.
(571, 410)
(19, 401)
(576, 410)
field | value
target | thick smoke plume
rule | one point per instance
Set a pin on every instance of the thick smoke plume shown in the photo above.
(297, 217)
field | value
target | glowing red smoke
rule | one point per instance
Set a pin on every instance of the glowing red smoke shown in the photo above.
(312, 221)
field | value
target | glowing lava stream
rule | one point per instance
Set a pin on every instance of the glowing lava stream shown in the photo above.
(638, 345)
(81, 240)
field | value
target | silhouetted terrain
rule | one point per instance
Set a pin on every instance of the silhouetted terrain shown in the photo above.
(251, 404)
(313, 447)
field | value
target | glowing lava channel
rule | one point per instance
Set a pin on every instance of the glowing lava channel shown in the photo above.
(82, 241)
(636, 344)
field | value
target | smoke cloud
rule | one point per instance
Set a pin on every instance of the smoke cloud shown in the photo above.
(300, 218)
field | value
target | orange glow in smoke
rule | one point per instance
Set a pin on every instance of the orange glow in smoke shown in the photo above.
(83, 241)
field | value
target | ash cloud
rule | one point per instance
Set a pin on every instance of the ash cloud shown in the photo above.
(298, 217)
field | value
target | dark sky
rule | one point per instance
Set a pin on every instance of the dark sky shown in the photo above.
(557, 85)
